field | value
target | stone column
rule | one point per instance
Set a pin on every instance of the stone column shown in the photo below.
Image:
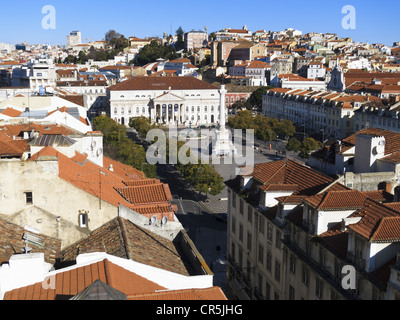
(222, 107)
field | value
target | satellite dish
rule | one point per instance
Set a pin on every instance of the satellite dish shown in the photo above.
(93, 144)
(99, 152)
(153, 220)
(164, 221)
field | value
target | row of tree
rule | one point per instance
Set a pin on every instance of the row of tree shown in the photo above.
(119, 147)
(203, 177)
(265, 128)
(115, 43)
(305, 147)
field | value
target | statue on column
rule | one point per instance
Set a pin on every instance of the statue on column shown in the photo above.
(223, 145)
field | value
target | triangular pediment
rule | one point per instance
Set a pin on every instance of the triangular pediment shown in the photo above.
(168, 96)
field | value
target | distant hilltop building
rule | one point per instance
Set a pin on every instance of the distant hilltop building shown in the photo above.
(74, 38)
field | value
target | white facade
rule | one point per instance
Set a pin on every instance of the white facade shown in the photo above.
(25, 270)
(37, 73)
(186, 107)
(74, 38)
(316, 70)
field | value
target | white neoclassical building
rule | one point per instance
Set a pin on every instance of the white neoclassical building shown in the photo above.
(183, 101)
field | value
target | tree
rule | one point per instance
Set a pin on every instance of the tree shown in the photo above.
(116, 40)
(142, 125)
(293, 145)
(256, 97)
(308, 145)
(151, 52)
(241, 104)
(119, 147)
(180, 44)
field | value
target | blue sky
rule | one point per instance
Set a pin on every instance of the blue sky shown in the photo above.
(22, 20)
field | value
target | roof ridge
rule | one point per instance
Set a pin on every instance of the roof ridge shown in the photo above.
(283, 166)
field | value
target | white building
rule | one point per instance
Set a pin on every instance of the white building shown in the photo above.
(39, 72)
(50, 110)
(74, 38)
(165, 100)
(316, 70)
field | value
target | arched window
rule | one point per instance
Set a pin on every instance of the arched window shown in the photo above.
(115, 110)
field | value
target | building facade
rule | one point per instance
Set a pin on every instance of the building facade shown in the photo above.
(184, 101)
(291, 238)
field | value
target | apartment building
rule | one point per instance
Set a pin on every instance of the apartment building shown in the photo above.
(293, 233)
(195, 40)
(315, 112)
(38, 72)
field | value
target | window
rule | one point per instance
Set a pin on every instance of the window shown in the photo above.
(261, 226)
(241, 204)
(28, 198)
(249, 240)
(277, 271)
(292, 264)
(233, 225)
(291, 293)
(269, 261)
(241, 232)
(260, 254)
(305, 275)
(269, 231)
(250, 214)
(268, 291)
(234, 199)
(318, 287)
(278, 239)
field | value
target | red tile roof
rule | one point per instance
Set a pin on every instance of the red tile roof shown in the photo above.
(289, 172)
(70, 283)
(392, 139)
(110, 186)
(11, 112)
(214, 293)
(379, 223)
(162, 83)
(124, 239)
(334, 200)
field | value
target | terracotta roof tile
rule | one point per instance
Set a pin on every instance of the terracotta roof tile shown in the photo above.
(123, 239)
(162, 83)
(70, 283)
(214, 293)
(290, 172)
(11, 112)
(334, 200)
(378, 222)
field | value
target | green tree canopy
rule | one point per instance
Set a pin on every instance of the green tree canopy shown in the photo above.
(256, 97)
(293, 145)
(151, 52)
(119, 147)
